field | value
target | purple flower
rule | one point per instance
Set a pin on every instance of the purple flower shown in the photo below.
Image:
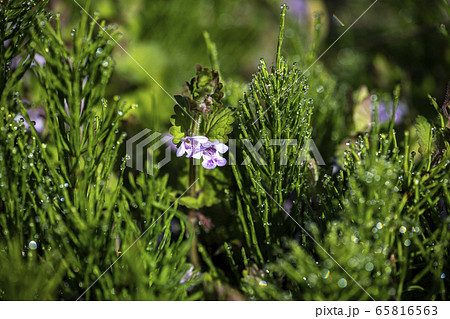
(385, 113)
(192, 146)
(211, 154)
(15, 62)
(37, 60)
(37, 116)
(169, 142)
(299, 7)
(199, 146)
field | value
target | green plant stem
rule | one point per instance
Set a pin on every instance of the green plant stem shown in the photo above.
(2, 55)
(192, 215)
(193, 193)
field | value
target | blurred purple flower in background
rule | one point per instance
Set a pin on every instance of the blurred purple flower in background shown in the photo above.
(15, 62)
(37, 116)
(385, 112)
(298, 7)
(37, 60)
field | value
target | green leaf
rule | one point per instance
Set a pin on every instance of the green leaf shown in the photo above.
(424, 135)
(181, 121)
(203, 200)
(219, 124)
(206, 83)
(203, 102)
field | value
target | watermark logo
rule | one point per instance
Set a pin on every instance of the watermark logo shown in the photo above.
(142, 146)
(307, 148)
(146, 142)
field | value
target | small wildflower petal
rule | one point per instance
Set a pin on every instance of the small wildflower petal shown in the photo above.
(220, 147)
(197, 154)
(37, 115)
(200, 139)
(199, 146)
(192, 146)
(181, 150)
(170, 143)
(220, 161)
(209, 163)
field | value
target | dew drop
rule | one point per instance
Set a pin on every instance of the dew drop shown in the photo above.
(32, 245)
(342, 283)
(369, 266)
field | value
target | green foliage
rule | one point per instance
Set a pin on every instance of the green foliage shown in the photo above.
(277, 108)
(368, 232)
(218, 125)
(388, 235)
(61, 189)
(15, 39)
(424, 135)
(273, 226)
(181, 121)
(201, 111)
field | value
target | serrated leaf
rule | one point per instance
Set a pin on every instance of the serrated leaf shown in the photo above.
(206, 83)
(181, 121)
(219, 125)
(424, 135)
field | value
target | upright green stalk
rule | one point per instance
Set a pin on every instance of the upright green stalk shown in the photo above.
(200, 112)
(193, 193)
(281, 37)
(192, 217)
(2, 52)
